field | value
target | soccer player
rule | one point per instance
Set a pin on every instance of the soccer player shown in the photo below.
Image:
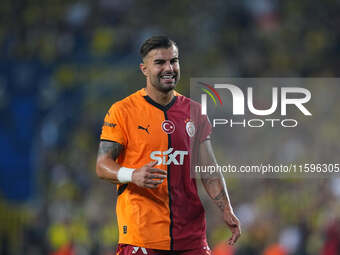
(148, 142)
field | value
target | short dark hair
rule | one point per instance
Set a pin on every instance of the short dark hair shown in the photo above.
(155, 42)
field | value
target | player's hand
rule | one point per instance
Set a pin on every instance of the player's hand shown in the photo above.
(148, 177)
(233, 223)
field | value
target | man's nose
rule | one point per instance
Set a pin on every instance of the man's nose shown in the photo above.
(168, 67)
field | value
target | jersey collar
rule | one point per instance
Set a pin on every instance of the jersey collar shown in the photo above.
(159, 106)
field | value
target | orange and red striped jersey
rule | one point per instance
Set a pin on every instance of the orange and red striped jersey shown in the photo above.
(170, 217)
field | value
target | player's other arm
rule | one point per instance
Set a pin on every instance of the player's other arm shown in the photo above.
(216, 188)
(108, 169)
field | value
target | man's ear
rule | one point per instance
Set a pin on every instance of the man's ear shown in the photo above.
(143, 68)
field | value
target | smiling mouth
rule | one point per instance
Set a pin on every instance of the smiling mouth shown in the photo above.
(168, 77)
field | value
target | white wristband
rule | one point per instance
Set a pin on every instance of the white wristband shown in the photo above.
(125, 174)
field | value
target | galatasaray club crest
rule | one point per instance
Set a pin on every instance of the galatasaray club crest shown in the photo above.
(190, 127)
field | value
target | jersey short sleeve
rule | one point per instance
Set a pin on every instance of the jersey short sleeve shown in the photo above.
(204, 128)
(112, 129)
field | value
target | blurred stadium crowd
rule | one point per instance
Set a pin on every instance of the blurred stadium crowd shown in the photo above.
(63, 63)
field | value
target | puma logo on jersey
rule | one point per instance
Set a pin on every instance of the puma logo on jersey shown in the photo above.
(168, 157)
(143, 128)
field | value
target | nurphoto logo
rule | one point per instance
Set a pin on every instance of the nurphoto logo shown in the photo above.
(295, 96)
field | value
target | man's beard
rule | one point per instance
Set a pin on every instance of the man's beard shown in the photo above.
(164, 87)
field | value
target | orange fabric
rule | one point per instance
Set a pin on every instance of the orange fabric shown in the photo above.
(137, 206)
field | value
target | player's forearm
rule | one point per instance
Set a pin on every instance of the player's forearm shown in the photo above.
(217, 190)
(107, 169)
(213, 183)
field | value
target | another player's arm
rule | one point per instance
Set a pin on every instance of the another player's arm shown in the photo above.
(216, 188)
(107, 168)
